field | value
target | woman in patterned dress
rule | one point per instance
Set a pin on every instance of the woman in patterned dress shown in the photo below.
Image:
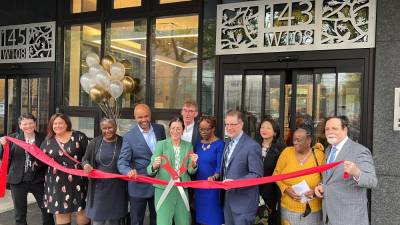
(65, 193)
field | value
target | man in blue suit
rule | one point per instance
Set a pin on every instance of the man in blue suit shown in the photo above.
(241, 160)
(137, 148)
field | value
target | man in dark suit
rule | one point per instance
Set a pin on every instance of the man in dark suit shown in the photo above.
(137, 148)
(241, 160)
(26, 174)
(191, 132)
(345, 201)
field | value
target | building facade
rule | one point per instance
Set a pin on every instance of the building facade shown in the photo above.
(266, 58)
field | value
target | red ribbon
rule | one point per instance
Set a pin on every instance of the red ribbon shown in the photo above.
(40, 155)
(4, 170)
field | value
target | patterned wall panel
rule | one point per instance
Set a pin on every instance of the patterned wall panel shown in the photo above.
(297, 25)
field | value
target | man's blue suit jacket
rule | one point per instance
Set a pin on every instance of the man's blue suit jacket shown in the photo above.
(136, 154)
(245, 162)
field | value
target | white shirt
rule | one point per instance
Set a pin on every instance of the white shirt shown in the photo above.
(339, 146)
(188, 133)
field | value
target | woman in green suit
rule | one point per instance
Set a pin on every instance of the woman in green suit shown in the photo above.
(175, 150)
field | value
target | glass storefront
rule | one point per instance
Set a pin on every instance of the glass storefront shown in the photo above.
(80, 6)
(79, 41)
(174, 60)
(126, 41)
(119, 4)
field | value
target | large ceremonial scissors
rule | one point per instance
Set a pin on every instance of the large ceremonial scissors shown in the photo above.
(174, 178)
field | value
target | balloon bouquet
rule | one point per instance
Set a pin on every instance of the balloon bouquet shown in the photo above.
(106, 82)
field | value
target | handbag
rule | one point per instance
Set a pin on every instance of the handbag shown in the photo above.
(262, 214)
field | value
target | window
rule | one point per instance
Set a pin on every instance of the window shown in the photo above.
(127, 43)
(79, 40)
(174, 60)
(80, 6)
(119, 4)
(172, 1)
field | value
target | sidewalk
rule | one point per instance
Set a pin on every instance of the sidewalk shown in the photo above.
(7, 211)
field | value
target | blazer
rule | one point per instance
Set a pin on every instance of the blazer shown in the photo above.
(90, 158)
(196, 135)
(17, 160)
(245, 162)
(345, 201)
(136, 154)
(165, 148)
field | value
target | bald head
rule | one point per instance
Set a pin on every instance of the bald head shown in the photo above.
(142, 116)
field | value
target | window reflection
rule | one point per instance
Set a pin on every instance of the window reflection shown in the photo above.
(118, 4)
(174, 60)
(325, 103)
(79, 6)
(127, 43)
(232, 92)
(2, 105)
(252, 106)
(349, 102)
(79, 41)
(272, 95)
(172, 1)
(125, 125)
(83, 124)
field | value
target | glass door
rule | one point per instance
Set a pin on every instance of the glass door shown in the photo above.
(295, 96)
(2, 106)
(21, 95)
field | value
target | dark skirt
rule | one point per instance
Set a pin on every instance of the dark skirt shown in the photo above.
(110, 201)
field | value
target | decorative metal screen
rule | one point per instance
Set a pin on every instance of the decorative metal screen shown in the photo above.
(295, 25)
(33, 42)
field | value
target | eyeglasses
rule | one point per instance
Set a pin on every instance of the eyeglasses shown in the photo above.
(205, 129)
(231, 124)
(188, 110)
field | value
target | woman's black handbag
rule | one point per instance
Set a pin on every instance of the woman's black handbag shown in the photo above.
(262, 214)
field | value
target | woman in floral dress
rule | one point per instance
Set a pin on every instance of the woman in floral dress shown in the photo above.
(65, 193)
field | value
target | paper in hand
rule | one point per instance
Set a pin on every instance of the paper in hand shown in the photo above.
(301, 189)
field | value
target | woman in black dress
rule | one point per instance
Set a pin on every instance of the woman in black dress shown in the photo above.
(271, 146)
(107, 201)
(65, 193)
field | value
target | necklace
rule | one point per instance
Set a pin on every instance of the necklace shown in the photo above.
(206, 147)
(113, 157)
(304, 159)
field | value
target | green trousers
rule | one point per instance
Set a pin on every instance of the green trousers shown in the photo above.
(172, 208)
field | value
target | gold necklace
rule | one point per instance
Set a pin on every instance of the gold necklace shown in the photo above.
(304, 159)
(112, 160)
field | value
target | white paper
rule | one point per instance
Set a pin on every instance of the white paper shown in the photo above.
(301, 189)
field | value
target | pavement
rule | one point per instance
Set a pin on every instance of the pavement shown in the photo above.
(7, 211)
(34, 216)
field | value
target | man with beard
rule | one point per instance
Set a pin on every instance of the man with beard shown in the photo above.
(345, 201)
(137, 148)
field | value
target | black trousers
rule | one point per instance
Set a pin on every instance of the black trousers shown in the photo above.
(138, 210)
(19, 193)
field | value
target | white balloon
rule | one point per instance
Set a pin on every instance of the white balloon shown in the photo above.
(116, 88)
(94, 69)
(87, 82)
(117, 71)
(102, 79)
(92, 59)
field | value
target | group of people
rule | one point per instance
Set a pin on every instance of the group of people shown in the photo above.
(192, 151)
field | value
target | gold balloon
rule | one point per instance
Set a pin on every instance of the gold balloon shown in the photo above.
(97, 94)
(106, 62)
(129, 84)
(128, 66)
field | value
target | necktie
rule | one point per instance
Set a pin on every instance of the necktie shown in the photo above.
(227, 154)
(332, 154)
(332, 157)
